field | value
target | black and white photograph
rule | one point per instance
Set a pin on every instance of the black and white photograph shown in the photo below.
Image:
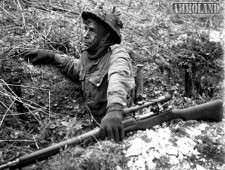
(112, 85)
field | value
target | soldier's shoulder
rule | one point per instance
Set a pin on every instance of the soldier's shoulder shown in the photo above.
(118, 48)
(119, 51)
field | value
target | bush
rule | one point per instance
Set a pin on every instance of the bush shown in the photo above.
(199, 64)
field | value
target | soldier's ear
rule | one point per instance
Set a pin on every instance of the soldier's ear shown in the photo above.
(87, 21)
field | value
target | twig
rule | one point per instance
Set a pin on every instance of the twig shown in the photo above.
(91, 115)
(6, 113)
(12, 113)
(15, 97)
(21, 9)
(36, 109)
(36, 143)
(4, 10)
(40, 88)
(11, 90)
(18, 114)
(26, 104)
(4, 93)
(43, 37)
(49, 102)
(48, 32)
(55, 8)
(10, 140)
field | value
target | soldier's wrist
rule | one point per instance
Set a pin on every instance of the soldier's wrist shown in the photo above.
(115, 107)
(115, 110)
(48, 53)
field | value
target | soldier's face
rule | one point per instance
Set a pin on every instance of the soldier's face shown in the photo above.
(93, 33)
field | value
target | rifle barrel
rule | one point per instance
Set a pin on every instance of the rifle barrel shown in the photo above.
(149, 103)
(49, 151)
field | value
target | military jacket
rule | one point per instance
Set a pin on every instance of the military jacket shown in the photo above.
(109, 80)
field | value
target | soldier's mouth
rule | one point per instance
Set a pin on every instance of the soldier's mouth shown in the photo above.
(87, 43)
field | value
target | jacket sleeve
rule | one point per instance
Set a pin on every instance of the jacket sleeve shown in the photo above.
(120, 77)
(68, 65)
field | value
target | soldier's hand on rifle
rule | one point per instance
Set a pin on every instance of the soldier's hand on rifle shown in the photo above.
(111, 124)
(39, 56)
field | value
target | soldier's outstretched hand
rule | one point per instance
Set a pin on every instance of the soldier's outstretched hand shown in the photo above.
(39, 56)
(111, 124)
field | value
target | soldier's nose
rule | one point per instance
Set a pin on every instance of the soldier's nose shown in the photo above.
(86, 34)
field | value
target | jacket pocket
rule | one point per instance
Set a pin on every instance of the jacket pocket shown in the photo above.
(97, 79)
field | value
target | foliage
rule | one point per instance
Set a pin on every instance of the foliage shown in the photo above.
(201, 60)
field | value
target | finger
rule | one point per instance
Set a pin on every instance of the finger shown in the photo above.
(102, 133)
(110, 132)
(121, 132)
(116, 135)
(22, 52)
(26, 55)
(105, 133)
(28, 52)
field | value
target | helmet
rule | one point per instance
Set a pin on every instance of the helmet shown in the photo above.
(110, 19)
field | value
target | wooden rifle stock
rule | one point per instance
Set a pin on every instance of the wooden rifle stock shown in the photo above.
(211, 111)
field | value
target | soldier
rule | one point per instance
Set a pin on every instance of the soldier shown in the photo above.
(104, 70)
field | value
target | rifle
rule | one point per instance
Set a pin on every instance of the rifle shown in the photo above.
(211, 111)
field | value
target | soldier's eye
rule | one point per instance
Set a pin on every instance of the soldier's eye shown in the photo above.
(91, 29)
